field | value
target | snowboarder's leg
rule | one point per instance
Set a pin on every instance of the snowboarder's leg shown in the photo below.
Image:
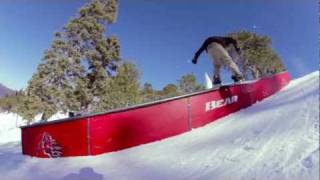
(216, 74)
(216, 61)
(227, 60)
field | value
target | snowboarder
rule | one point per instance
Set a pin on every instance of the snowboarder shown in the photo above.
(216, 46)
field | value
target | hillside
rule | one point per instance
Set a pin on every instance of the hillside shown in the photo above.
(5, 91)
(277, 138)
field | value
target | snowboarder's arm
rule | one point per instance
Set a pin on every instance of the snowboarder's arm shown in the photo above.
(200, 50)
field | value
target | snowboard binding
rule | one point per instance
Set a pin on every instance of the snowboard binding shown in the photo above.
(237, 78)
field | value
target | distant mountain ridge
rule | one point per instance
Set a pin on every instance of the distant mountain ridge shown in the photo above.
(5, 91)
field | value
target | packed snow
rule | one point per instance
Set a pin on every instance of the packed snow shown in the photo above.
(277, 138)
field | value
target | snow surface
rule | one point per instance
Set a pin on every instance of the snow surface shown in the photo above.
(277, 138)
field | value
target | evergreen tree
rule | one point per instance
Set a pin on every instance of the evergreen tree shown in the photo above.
(258, 59)
(122, 89)
(28, 107)
(76, 69)
(21, 104)
(148, 93)
(8, 103)
(169, 90)
(188, 83)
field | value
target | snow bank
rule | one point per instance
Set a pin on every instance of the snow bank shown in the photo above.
(9, 131)
(277, 138)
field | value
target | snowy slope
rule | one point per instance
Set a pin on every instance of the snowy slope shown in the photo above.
(5, 91)
(8, 127)
(277, 138)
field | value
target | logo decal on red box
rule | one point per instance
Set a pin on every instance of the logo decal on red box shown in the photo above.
(48, 146)
(220, 103)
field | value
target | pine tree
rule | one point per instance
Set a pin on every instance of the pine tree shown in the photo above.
(258, 59)
(122, 90)
(28, 107)
(169, 90)
(188, 83)
(76, 69)
(148, 93)
(21, 104)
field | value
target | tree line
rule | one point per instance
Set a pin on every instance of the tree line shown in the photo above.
(82, 70)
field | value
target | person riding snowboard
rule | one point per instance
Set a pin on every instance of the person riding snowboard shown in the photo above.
(217, 47)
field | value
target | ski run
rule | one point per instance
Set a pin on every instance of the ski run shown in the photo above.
(276, 139)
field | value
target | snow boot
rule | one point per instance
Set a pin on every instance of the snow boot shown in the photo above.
(237, 78)
(216, 80)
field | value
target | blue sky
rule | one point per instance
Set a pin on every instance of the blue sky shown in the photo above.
(161, 36)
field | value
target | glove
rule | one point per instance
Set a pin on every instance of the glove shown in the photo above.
(194, 61)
